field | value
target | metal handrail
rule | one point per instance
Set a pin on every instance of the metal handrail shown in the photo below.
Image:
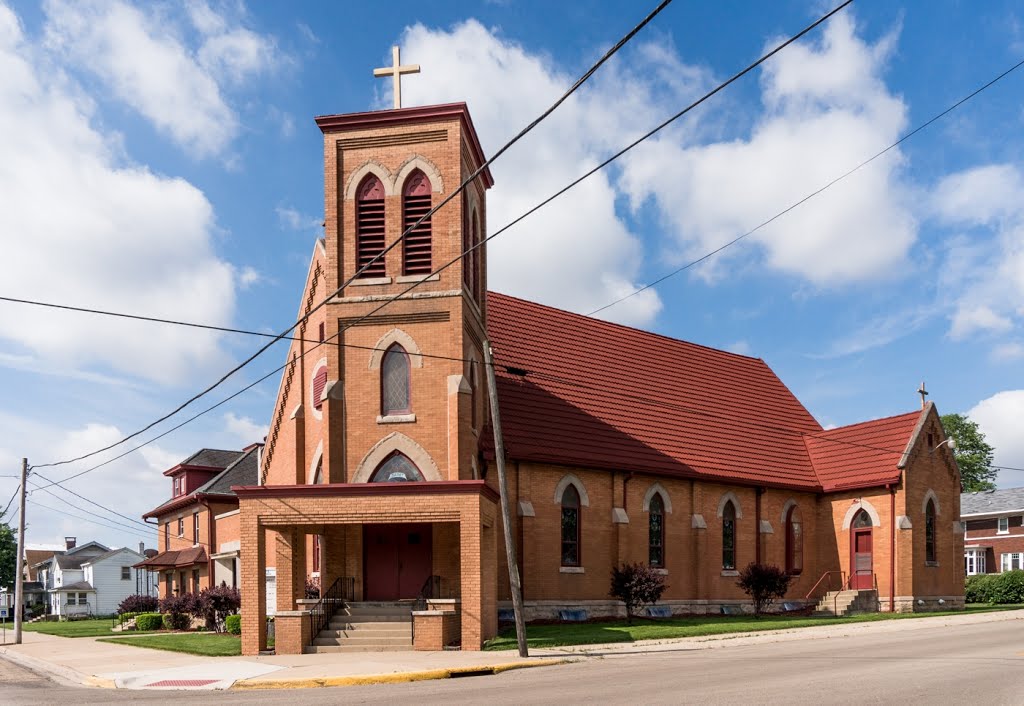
(827, 575)
(320, 614)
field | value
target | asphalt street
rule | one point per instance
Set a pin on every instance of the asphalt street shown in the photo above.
(982, 663)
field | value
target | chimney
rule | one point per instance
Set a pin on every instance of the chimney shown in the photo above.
(70, 542)
(142, 548)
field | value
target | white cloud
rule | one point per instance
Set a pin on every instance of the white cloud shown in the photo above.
(1001, 417)
(826, 108)
(880, 331)
(741, 347)
(248, 277)
(1005, 352)
(576, 253)
(293, 219)
(142, 56)
(983, 273)
(87, 227)
(245, 430)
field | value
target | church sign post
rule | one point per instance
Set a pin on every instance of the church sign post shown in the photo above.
(506, 518)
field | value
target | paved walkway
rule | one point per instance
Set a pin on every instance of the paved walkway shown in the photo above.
(105, 664)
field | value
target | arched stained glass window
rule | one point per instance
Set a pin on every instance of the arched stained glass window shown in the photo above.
(930, 555)
(394, 382)
(396, 468)
(794, 541)
(570, 526)
(656, 532)
(862, 519)
(729, 536)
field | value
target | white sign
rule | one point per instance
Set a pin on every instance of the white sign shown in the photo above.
(3, 612)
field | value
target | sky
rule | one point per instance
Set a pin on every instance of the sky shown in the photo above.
(161, 158)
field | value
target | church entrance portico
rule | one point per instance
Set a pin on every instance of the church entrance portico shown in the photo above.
(379, 542)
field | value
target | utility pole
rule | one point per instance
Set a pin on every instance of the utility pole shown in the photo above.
(506, 518)
(19, 588)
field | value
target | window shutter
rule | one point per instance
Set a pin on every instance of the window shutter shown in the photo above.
(319, 382)
(370, 227)
(416, 246)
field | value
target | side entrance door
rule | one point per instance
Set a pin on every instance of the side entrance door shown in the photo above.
(862, 566)
(397, 560)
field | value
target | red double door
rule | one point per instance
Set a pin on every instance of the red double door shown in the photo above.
(397, 560)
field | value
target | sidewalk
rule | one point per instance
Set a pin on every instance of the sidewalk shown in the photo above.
(103, 664)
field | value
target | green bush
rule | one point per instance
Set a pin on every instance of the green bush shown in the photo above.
(1008, 587)
(177, 621)
(149, 621)
(764, 583)
(978, 589)
(233, 624)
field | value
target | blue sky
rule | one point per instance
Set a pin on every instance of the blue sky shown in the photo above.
(161, 159)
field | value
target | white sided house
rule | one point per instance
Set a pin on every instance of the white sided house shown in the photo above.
(91, 579)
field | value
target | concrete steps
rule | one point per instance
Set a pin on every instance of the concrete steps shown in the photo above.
(367, 627)
(839, 603)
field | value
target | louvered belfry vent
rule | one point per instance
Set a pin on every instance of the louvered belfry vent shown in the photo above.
(416, 245)
(370, 227)
(319, 383)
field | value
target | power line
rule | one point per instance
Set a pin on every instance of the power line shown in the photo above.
(92, 502)
(11, 501)
(480, 170)
(116, 528)
(811, 195)
(209, 327)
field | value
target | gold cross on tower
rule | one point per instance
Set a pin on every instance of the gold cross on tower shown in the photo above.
(395, 71)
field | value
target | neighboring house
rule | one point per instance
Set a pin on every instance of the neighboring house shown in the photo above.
(198, 531)
(90, 579)
(621, 445)
(994, 538)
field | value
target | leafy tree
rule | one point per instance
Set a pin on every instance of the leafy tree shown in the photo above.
(972, 453)
(763, 583)
(636, 585)
(8, 555)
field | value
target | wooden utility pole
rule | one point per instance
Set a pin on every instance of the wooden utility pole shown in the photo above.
(506, 517)
(19, 588)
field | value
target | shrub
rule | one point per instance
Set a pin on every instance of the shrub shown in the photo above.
(763, 583)
(313, 587)
(233, 624)
(139, 604)
(978, 589)
(636, 585)
(1008, 587)
(177, 621)
(213, 605)
(148, 621)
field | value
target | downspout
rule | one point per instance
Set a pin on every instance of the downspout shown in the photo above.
(892, 548)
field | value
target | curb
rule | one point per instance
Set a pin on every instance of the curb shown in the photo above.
(364, 680)
(63, 675)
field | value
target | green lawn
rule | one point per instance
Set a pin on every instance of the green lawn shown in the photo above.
(596, 633)
(206, 644)
(74, 628)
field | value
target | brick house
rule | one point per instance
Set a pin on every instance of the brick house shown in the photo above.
(622, 445)
(994, 538)
(197, 529)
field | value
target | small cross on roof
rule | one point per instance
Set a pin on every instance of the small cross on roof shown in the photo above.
(395, 71)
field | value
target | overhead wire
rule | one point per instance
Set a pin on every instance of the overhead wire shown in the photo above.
(305, 317)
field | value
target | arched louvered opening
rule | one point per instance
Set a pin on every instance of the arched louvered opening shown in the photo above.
(416, 244)
(319, 383)
(476, 260)
(370, 238)
(394, 382)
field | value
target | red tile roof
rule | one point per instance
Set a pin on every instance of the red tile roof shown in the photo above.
(184, 557)
(861, 454)
(601, 395)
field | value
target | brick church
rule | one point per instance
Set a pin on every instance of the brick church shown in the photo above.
(378, 476)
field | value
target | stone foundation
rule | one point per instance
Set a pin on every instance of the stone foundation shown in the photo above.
(926, 604)
(551, 610)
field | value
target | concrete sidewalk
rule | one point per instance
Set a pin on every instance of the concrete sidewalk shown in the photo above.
(104, 664)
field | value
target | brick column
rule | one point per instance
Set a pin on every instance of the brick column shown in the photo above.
(471, 578)
(291, 567)
(333, 411)
(298, 423)
(332, 563)
(254, 581)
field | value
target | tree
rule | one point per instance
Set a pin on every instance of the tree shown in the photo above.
(973, 455)
(636, 585)
(763, 583)
(8, 555)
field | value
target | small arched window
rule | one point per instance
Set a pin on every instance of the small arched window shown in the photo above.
(570, 526)
(794, 542)
(729, 536)
(861, 520)
(396, 468)
(416, 245)
(930, 554)
(370, 227)
(656, 532)
(394, 382)
(319, 383)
